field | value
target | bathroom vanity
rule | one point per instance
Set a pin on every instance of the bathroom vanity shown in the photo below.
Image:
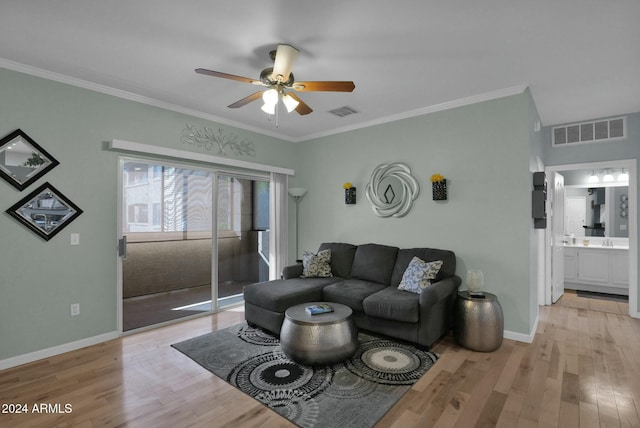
(597, 268)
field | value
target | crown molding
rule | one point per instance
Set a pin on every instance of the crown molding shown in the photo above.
(58, 77)
(448, 105)
(96, 87)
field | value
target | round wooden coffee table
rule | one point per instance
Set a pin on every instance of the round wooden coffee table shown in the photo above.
(318, 339)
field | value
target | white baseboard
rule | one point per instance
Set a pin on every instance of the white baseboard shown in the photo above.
(520, 337)
(56, 350)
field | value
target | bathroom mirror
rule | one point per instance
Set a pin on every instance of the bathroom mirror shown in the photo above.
(597, 211)
(392, 190)
(22, 160)
(45, 211)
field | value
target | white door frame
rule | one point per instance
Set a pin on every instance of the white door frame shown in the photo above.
(631, 166)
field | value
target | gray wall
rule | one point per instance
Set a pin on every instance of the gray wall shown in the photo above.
(483, 150)
(39, 280)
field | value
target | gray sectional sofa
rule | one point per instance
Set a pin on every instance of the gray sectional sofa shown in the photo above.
(365, 278)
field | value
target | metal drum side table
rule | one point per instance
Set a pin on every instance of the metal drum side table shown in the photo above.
(478, 322)
(318, 339)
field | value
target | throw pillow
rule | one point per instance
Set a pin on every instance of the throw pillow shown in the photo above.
(316, 265)
(419, 274)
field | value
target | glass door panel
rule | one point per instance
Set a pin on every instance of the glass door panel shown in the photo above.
(243, 235)
(167, 219)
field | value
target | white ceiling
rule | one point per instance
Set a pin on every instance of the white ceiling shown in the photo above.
(580, 58)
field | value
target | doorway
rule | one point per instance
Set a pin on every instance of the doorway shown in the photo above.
(192, 238)
(602, 168)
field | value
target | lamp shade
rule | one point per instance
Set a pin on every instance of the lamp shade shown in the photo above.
(290, 103)
(297, 192)
(608, 177)
(623, 176)
(270, 96)
(268, 108)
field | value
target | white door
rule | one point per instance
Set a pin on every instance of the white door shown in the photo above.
(575, 215)
(556, 211)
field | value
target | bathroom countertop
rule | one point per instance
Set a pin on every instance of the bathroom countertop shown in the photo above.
(596, 246)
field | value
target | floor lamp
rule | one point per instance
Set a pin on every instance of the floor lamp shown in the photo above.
(297, 193)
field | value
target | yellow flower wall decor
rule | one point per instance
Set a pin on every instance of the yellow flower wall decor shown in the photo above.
(349, 193)
(439, 185)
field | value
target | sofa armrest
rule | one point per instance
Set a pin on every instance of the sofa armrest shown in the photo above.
(292, 271)
(439, 291)
(436, 309)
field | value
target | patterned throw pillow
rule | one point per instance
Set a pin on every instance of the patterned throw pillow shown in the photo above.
(419, 274)
(316, 265)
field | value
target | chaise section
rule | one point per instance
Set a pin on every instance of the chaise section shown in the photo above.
(266, 302)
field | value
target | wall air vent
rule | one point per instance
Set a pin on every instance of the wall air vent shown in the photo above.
(590, 132)
(343, 111)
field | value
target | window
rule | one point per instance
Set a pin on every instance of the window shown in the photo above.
(167, 203)
(138, 214)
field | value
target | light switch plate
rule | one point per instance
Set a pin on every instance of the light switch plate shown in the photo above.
(75, 239)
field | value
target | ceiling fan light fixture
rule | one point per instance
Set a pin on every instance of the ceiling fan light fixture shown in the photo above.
(278, 79)
(290, 103)
(270, 97)
(268, 108)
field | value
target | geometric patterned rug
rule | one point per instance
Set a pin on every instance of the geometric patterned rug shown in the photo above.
(354, 393)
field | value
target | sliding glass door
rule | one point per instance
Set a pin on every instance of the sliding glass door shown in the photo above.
(190, 236)
(167, 220)
(243, 235)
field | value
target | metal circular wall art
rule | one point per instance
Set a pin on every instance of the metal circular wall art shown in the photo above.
(392, 190)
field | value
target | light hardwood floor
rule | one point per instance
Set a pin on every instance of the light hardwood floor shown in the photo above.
(582, 370)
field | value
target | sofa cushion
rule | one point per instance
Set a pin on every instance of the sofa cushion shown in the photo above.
(279, 295)
(341, 257)
(419, 275)
(428, 255)
(316, 265)
(393, 304)
(351, 292)
(375, 263)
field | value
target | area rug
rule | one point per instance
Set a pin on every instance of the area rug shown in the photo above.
(354, 393)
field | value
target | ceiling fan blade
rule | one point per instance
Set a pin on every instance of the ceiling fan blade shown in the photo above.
(227, 76)
(285, 58)
(302, 107)
(335, 86)
(246, 100)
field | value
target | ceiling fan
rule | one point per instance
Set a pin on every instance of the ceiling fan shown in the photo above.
(281, 84)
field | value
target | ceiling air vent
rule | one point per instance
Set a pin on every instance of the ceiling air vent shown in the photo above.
(590, 132)
(343, 111)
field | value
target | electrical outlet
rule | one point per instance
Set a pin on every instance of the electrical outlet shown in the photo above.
(75, 309)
